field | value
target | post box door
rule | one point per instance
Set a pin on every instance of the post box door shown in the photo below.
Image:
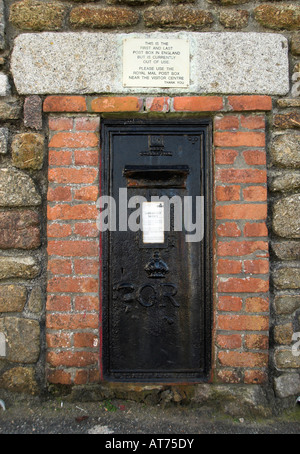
(156, 250)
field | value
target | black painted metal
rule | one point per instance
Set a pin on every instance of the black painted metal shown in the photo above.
(156, 317)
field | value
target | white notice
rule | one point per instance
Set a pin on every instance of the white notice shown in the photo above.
(156, 62)
(153, 222)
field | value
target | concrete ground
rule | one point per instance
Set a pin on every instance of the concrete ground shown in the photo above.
(116, 417)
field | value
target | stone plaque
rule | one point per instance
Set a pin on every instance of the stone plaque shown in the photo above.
(156, 62)
(48, 63)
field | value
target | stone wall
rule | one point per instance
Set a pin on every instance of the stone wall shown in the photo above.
(24, 137)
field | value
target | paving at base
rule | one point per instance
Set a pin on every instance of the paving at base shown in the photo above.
(113, 417)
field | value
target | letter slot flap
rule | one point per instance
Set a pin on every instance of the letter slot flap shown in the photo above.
(156, 176)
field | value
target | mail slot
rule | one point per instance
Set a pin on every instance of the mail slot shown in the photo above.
(156, 176)
(156, 250)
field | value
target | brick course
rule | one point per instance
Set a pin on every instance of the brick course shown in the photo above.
(241, 247)
(73, 244)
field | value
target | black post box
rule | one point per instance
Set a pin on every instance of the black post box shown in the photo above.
(156, 249)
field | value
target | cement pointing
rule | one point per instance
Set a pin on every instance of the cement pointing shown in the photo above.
(82, 63)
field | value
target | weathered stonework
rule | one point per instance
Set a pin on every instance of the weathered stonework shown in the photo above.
(4, 85)
(20, 380)
(284, 181)
(295, 44)
(249, 400)
(288, 102)
(137, 2)
(2, 345)
(22, 339)
(288, 250)
(35, 300)
(3, 140)
(296, 81)
(177, 17)
(28, 151)
(17, 189)
(278, 17)
(37, 15)
(95, 17)
(287, 278)
(81, 58)
(285, 150)
(10, 109)
(18, 267)
(287, 385)
(228, 2)
(19, 229)
(2, 25)
(290, 120)
(12, 298)
(285, 359)
(286, 222)
(286, 304)
(283, 334)
(234, 18)
(33, 112)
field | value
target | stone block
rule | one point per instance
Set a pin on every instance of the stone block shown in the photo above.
(177, 17)
(283, 334)
(235, 400)
(10, 109)
(33, 112)
(22, 339)
(24, 267)
(17, 189)
(286, 304)
(296, 82)
(3, 140)
(287, 278)
(35, 300)
(82, 63)
(288, 102)
(228, 2)
(28, 151)
(285, 150)
(284, 359)
(2, 345)
(234, 18)
(95, 17)
(278, 17)
(2, 25)
(295, 44)
(19, 229)
(287, 385)
(286, 220)
(37, 15)
(290, 120)
(287, 250)
(4, 85)
(20, 380)
(139, 2)
(12, 298)
(284, 181)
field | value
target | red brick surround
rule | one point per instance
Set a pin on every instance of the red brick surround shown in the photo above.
(241, 280)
